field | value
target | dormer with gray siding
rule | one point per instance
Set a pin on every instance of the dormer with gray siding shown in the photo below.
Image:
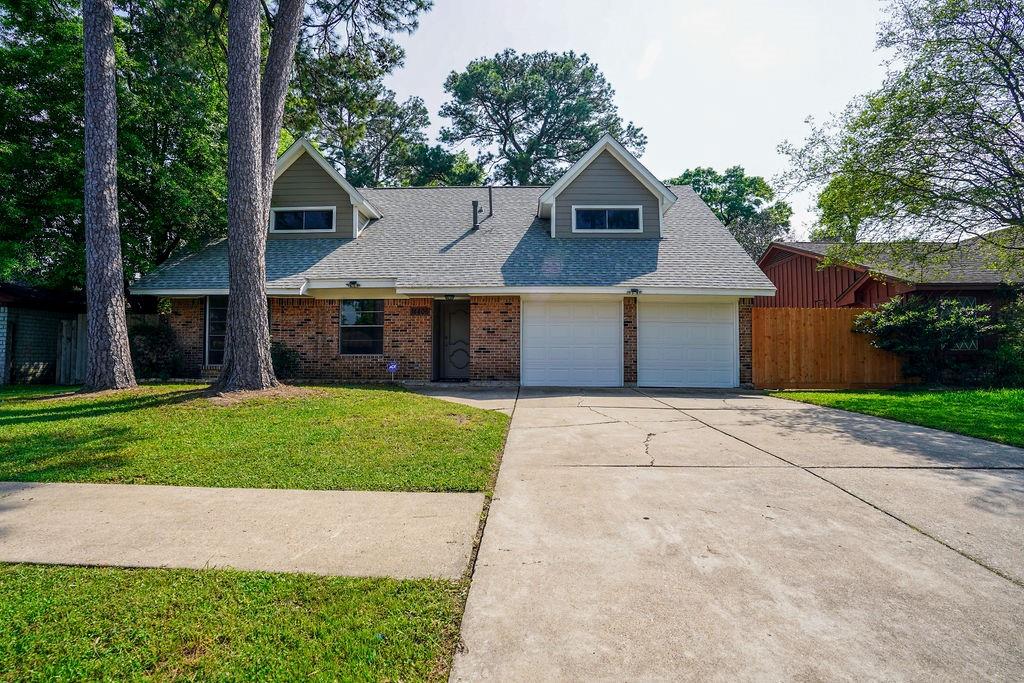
(310, 199)
(606, 194)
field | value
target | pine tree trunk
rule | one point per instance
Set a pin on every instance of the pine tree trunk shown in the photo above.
(109, 364)
(276, 78)
(247, 363)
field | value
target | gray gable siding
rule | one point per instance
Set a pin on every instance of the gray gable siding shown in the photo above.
(305, 183)
(606, 182)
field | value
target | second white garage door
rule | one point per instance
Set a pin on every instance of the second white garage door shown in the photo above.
(687, 344)
(572, 343)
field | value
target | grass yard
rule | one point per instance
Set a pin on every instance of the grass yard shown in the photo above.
(74, 623)
(361, 438)
(996, 415)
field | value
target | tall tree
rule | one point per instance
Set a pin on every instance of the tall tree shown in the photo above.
(255, 108)
(256, 103)
(109, 363)
(936, 154)
(171, 105)
(387, 147)
(745, 204)
(533, 114)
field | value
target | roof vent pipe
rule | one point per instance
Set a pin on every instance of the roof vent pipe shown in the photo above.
(476, 215)
(490, 201)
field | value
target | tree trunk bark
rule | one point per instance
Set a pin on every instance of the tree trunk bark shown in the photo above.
(276, 77)
(109, 364)
(247, 363)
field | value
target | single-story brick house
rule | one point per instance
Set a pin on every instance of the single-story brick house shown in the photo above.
(607, 277)
(795, 268)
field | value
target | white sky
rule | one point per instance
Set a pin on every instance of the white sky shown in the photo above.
(711, 82)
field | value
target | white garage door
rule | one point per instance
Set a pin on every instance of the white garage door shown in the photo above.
(687, 345)
(572, 343)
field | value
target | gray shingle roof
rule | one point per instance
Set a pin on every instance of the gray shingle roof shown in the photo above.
(424, 240)
(969, 262)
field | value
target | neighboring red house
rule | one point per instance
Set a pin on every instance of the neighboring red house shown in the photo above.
(795, 270)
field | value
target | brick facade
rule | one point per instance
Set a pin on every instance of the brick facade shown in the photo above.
(312, 328)
(629, 340)
(746, 343)
(494, 338)
(188, 320)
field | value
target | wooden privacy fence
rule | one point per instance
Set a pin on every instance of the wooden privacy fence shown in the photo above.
(816, 348)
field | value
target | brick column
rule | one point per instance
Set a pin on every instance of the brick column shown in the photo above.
(494, 338)
(187, 319)
(746, 343)
(629, 340)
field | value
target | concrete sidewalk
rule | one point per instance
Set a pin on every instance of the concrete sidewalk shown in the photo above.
(355, 533)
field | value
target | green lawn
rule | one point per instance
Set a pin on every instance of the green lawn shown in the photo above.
(996, 415)
(73, 623)
(380, 438)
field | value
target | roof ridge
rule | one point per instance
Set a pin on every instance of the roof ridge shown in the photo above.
(458, 187)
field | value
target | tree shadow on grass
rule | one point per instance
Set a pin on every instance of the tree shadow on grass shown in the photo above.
(83, 456)
(81, 406)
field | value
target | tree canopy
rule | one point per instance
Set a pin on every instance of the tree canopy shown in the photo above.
(745, 204)
(170, 127)
(533, 114)
(936, 154)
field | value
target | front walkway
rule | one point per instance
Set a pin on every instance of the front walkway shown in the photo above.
(354, 533)
(674, 535)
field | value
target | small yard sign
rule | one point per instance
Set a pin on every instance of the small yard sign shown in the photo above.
(392, 368)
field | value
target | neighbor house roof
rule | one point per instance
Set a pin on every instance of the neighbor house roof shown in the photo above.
(969, 262)
(424, 243)
(25, 296)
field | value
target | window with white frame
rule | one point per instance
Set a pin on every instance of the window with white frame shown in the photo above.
(607, 219)
(302, 219)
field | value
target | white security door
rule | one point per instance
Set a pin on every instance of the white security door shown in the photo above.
(572, 343)
(687, 344)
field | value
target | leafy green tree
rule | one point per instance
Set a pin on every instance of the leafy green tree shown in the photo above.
(171, 151)
(746, 205)
(926, 332)
(532, 114)
(434, 165)
(936, 154)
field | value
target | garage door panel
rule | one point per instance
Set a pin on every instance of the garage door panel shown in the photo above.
(572, 343)
(687, 345)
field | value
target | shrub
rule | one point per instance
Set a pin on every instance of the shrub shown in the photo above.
(1008, 357)
(927, 333)
(285, 360)
(156, 353)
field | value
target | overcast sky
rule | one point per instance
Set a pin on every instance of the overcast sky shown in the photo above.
(711, 82)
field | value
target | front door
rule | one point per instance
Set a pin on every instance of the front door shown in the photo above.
(454, 340)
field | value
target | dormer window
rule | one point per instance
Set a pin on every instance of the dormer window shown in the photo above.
(302, 219)
(607, 219)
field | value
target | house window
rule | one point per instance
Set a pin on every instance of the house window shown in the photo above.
(216, 328)
(362, 326)
(966, 344)
(607, 219)
(312, 219)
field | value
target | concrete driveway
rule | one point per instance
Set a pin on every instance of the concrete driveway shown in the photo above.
(673, 535)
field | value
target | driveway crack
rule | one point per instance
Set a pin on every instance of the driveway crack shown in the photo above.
(998, 572)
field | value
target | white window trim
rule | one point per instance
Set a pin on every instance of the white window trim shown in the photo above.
(275, 209)
(640, 214)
